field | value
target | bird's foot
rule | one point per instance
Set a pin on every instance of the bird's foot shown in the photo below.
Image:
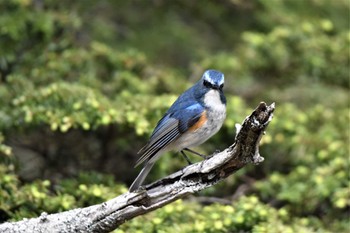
(185, 156)
(196, 153)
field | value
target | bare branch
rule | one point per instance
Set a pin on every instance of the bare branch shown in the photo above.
(109, 215)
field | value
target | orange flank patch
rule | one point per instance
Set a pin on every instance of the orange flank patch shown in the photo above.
(201, 121)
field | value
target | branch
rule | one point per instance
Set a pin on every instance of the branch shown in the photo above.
(109, 215)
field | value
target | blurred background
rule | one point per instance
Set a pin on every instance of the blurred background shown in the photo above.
(83, 83)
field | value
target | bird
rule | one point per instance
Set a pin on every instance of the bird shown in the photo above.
(193, 118)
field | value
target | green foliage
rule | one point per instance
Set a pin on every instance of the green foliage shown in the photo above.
(288, 56)
(314, 162)
(83, 83)
(246, 214)
(29, 200)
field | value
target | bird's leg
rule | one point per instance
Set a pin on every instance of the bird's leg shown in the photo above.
(185, 156)
(195, 152)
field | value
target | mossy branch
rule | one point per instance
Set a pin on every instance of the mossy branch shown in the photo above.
(109, 215)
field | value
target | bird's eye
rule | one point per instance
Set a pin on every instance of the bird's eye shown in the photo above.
(207, 84)
(221, 86)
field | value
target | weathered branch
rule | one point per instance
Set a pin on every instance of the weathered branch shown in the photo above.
(193, 178)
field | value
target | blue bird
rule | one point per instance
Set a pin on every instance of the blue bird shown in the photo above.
(194, 117)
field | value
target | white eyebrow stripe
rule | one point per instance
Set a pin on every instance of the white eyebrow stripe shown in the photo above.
(214, 77)
(206, 76)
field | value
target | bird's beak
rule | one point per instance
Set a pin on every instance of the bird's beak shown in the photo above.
(216, 87)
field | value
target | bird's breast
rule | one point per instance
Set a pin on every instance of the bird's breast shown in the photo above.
(215, 116)
(208, 125)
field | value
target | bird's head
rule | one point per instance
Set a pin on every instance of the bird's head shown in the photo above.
(213, 80)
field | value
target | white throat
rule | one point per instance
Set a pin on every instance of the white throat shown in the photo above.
(213, 102)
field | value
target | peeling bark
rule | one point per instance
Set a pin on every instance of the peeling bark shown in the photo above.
(109, 215)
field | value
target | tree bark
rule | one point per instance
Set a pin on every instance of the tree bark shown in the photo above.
(107, 216)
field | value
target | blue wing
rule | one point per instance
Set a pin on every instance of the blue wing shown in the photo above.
(174, 123)
(187, 99)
